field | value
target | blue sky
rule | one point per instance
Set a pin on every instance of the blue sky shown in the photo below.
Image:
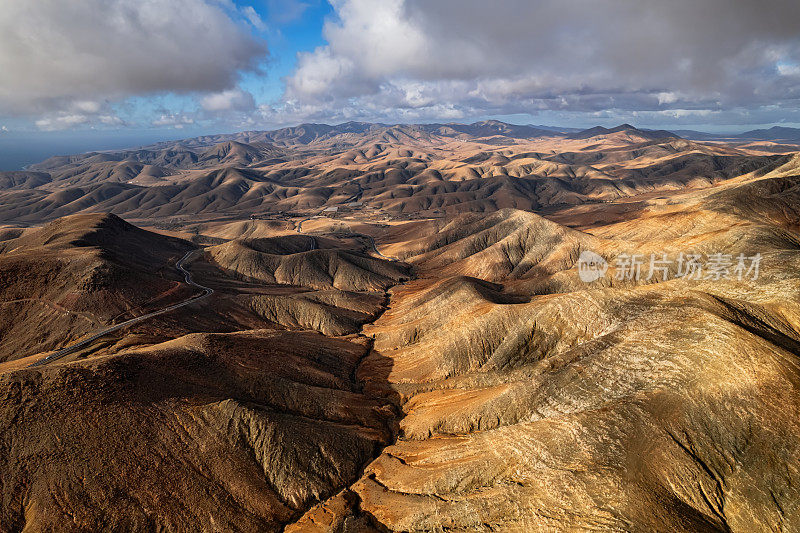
(289, 31)
(99, 74)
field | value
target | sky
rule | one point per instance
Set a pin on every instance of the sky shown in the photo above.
(103, 74)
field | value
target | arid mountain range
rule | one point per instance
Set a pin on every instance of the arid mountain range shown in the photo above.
(424, 170)
(399, 334)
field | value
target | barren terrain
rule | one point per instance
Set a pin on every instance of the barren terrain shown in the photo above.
(400, 337)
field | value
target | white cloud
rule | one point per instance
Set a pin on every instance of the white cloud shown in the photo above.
(62, 122)
(87, 114)
(230, 100)
(254, 18)
(344, 67)
(56, 54)
(683, 113)
(667, 98)
(87, 106)
(68, 120)
(110, 120)
(176, 120)
(409, 57)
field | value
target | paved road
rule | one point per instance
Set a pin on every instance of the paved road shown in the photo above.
(300, 224)
(86, 342)
(375, 248)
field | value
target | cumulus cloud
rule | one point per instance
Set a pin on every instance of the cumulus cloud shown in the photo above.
(230, 100)
(55, 53)
(81, 113)
(521, 56)
(61, 122)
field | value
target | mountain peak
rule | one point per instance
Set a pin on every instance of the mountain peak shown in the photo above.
(626, 128)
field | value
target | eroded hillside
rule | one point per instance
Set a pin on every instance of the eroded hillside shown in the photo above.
(397, 170)
(402, 335)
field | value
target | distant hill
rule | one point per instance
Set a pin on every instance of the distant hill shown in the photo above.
(421, 169)
(489, 128)
(775, 133)
(702, 136)
(306, 134)
(625, 129)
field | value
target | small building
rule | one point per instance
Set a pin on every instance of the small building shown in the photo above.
(332, 209)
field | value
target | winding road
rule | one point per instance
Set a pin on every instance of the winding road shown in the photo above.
(72, 348)
(300, 224)
(375, 248)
